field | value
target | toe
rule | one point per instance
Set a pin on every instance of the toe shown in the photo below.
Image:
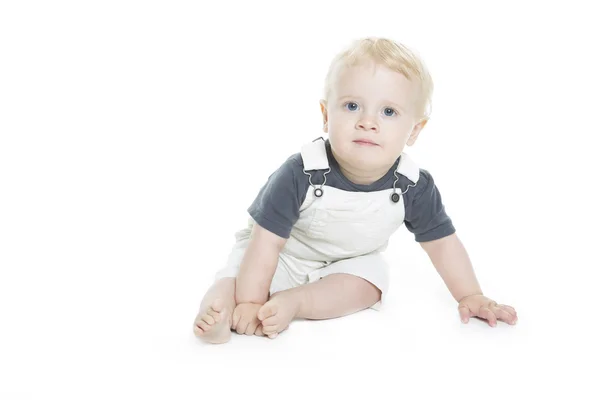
(214, 314)
(203, 325)
(266, 311)
(208, 319)
(217, 305)
(198, 331)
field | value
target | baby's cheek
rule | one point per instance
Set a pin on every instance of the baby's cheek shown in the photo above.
(341, 127)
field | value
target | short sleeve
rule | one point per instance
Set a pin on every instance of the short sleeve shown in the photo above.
(277, 205)
(426, 215)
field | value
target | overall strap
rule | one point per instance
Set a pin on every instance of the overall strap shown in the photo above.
(408, 168)
(314, 157)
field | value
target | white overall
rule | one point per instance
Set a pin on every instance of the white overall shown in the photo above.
(338, 232)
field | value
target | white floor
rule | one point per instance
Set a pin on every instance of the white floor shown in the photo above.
(128, 335)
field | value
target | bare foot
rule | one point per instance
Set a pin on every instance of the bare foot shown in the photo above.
(213, 325)
(276, 314)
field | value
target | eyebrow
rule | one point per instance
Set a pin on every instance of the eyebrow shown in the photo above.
(391, 103)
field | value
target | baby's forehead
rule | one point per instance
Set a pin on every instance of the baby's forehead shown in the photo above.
(373, 80)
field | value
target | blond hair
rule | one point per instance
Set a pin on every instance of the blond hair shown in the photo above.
(392, 55)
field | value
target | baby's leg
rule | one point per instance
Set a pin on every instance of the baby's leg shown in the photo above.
(213, 322)
(333, 296)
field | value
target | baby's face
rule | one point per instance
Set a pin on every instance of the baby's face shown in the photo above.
(370, 117)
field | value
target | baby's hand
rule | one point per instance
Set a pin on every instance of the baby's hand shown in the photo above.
(480, 306)
(245, 320)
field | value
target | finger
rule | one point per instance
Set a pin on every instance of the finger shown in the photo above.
(269, 330)
(241, 326)
(465, 314)
(482, 312)
(267, 310)
(251, 328)
(235, 319)
(273, 336)
(511, 311)
(259, 331)
(488, 314)
(505, 316)
(270, 321)
(508, 309)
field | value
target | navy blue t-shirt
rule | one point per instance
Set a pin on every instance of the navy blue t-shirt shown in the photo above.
(277, 205)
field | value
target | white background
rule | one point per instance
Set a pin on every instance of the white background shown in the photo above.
(134, 135)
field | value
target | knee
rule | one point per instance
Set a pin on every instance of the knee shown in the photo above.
(366, 291)
(371, 293)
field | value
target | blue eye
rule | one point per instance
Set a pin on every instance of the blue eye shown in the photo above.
(352, 106)
(389, 112)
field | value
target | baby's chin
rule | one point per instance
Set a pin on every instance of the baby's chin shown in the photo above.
(369, 162)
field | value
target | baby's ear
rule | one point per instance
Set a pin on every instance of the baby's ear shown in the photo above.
(415, 132)
(323, 104)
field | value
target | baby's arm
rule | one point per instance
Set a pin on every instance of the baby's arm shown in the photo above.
(426, 217)
(452, 262)
(275, 210)
(258, 266)
(254, 279)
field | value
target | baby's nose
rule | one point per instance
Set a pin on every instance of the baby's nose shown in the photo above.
(367, 124)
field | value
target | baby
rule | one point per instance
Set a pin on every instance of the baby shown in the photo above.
(313, 244)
